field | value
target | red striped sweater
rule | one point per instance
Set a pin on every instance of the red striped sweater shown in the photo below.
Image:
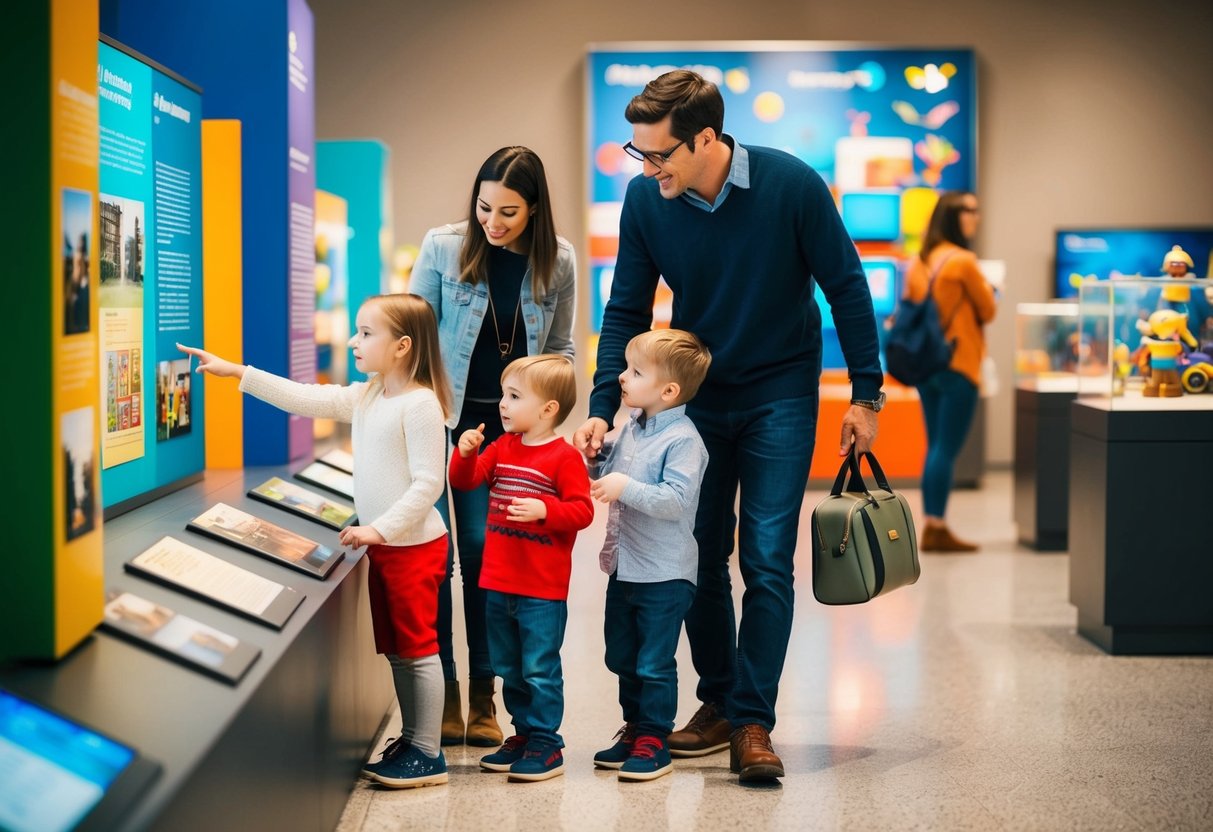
(531, 559)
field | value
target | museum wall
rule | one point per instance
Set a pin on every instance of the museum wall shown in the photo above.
(1090, 113)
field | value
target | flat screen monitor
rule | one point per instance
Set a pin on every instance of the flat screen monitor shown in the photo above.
(872, 215)
(1108, 252)
(882, 283)
(58, 775)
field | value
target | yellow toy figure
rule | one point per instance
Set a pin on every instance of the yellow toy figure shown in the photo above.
(1167, 329)
(1177, 263)
(1122, 365)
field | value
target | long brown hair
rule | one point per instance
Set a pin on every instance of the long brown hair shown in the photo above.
(412, 316)
(520, 170)
(944, 226)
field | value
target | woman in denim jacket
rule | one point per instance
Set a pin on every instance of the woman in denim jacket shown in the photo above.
(502, 285)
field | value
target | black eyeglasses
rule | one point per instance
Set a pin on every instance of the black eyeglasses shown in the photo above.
(653, 157)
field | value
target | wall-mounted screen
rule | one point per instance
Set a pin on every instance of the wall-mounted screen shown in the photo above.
(150, 270)
(872, 215)
(1110, 252)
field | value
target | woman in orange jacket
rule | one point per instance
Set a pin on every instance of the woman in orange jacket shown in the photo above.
(965, 300)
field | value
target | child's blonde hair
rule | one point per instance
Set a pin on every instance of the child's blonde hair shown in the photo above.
(550, 377)
(412, 316)
(678, 355)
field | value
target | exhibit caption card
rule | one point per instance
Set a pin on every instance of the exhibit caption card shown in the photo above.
(340, 459)
(213, 579)
(178, 637)
(328, 477)
(263, 538)
(304, 502)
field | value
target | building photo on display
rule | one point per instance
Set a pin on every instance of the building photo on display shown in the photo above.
(123, 241)
(263, 538)
(80, 471)
(299, 500)
(77, 227)
(172, 398)
(168, 630)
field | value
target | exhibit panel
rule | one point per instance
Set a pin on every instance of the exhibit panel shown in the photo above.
(261, 73)
(222, 284)
(51, 594)
(359, 172)
(150, 267)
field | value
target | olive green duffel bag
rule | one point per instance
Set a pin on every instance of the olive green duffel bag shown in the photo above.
(864, 543)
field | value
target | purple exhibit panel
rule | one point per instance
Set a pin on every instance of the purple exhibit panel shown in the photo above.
(301, 188)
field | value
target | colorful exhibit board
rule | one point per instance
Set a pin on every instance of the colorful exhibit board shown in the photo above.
(333, 316)
(255, 62)
(888, 129)
(1106, 253)
(51, 596)
(149, 274)
(357, 171)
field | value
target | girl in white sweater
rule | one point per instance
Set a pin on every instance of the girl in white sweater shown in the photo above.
(399, 442)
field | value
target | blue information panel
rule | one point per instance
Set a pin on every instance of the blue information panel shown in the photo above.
(151, 275)
(888, 129)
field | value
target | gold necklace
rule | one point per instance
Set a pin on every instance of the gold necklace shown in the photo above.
(502, 347)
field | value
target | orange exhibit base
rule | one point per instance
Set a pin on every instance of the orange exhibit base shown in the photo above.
(901, 445)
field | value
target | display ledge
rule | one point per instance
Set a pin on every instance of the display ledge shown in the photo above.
(1136, 402)
(1049, 384)
(279, 749)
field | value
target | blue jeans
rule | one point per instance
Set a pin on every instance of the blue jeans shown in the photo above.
(525, 635)
(766, 450)
(643, 622)
(471, 513)
(948, 402)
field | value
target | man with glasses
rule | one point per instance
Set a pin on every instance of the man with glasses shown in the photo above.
(740, 234)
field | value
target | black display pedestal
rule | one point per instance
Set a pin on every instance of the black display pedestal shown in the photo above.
(1140, 552)
(1042, 467)
(279, 750)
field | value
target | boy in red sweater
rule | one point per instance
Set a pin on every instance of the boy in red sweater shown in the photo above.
(539, 498)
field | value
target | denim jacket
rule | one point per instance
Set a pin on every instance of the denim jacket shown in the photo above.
(461, 307)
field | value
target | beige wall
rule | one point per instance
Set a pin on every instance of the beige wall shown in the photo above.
(1090, 112)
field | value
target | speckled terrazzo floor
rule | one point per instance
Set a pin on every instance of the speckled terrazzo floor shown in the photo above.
(964, 702)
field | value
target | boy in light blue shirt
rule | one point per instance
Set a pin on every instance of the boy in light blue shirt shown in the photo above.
(650, 475)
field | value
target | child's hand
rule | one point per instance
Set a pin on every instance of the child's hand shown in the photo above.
(213, 364)
(356, 537)
(526, 510)
(471, 440)
(608, 489)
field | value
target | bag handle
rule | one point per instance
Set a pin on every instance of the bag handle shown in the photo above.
(851, 466)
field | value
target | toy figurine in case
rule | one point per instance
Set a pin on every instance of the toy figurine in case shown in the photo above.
(1165, 347)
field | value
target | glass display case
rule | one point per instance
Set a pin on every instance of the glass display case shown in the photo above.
(1146, 343)
(1047, 346)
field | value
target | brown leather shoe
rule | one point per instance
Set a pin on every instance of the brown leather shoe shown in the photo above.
(751, 754)
(707, 732)
(941, 539)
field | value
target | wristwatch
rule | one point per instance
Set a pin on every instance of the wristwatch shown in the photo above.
(875, 405)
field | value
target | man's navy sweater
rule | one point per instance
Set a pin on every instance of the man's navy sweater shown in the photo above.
(742, 278)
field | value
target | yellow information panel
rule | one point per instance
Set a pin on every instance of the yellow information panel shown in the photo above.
(76, 583)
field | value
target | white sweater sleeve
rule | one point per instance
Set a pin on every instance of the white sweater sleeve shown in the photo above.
(319, 401)
(424, 432)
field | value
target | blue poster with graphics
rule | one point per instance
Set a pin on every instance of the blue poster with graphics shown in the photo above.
(151, 275)
(887, 129)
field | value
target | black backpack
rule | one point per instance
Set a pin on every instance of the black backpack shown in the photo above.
(916, 348)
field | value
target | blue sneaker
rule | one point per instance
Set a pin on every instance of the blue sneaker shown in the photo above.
(394, 748)
(541, 761)
(412, 768)
(650, 759)
(617, 754)
(510, 752)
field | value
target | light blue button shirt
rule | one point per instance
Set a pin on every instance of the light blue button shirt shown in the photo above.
(650, 528)
(739, 175)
